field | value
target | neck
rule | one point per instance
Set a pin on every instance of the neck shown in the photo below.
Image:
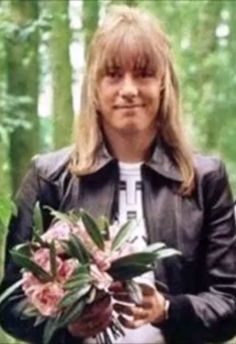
(130, 148)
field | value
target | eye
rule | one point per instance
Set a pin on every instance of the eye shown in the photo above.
(145, 73)
(114, 73)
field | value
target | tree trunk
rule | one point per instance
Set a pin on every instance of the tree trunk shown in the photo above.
(61, 72)
(131, 3)
(90, 20)
(22, 75)
(207, 40)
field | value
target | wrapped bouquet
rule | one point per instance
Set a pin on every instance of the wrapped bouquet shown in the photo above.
(73, 263)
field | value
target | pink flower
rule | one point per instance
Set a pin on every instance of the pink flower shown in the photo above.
(101, 279)
(84, 236)
(100, 257)
(46, 298)
(101, 260)
(42, 258)
(60, 230)
(66, 269)
(30, 282)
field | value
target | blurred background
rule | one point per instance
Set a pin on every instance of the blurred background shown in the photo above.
(42, 48)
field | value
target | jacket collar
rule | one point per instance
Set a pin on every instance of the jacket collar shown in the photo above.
(159, 162)
(162, 164)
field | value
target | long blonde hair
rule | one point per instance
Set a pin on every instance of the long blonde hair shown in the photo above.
(127, 28)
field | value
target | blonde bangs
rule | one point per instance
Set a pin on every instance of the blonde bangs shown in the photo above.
(129, 47)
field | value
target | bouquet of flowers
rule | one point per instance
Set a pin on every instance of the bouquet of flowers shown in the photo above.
(71, 264)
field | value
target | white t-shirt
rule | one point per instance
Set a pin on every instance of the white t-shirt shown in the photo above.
(130, 207)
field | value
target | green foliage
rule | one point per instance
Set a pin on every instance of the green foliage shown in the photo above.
(122, 236)
(203, 36)
(26, 262)
(92, 228)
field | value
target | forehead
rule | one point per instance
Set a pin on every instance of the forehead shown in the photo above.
(129, 50)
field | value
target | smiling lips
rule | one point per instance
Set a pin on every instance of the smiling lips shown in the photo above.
(131, 106)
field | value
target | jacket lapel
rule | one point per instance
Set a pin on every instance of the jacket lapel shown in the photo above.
(94, 192)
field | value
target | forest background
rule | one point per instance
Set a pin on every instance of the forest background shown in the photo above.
(42, 50)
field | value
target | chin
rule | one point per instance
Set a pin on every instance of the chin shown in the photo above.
(130, 130)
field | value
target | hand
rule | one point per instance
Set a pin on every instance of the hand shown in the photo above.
(94, 319)
(151, 309)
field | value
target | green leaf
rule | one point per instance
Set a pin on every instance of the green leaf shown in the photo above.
(129, 271)
(52, 325)
(10, 290)
(140, 258)
(167, 252)
(123, 235)
(154, 247)
(78, 250)
(39, 320)
(30, 311)
(60, 216)
(26, 263)
(92, 229)
(79, 277)
(78, 282)
(80, 274)
(74, 296)
(72, 313)
(81, 269)
(21, 306)
(24, 249)
(73, 216)
(53, 262)
(38, 239)
(103, 225)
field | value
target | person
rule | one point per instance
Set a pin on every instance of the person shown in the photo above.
(131, 160)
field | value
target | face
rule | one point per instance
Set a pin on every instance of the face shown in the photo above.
(128, 101)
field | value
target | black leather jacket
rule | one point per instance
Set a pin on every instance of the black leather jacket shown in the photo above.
(201, 283)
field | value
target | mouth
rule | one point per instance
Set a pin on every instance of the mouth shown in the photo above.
(130, 106)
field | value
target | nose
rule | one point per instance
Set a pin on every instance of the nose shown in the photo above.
(129, 87)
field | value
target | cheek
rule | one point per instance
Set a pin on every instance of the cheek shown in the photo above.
(105, 100)
(155, 99)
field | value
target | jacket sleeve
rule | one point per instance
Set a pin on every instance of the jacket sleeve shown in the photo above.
(210, 316)
(20, 230)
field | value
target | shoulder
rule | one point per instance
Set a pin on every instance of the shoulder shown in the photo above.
(207, 166)
(211, 178)
(50, 165)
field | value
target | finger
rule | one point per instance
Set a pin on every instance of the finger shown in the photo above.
(147, 304)
(131, 324)
(136, 312)
(147, 289)
(121, 308)
(140, 313)
(125, 297)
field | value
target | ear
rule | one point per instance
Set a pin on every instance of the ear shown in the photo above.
(96, 102)
(162, 84)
